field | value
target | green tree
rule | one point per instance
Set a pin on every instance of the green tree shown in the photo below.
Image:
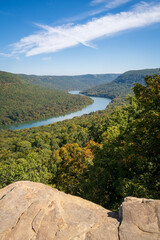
(72, 161)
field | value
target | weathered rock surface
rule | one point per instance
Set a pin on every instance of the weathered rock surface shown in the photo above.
(140, 219)
(33, 211)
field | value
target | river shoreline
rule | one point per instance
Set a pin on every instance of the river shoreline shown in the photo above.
(99, 103)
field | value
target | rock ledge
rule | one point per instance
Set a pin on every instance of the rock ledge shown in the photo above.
(34, 211)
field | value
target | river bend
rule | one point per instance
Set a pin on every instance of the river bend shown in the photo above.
(99, 103)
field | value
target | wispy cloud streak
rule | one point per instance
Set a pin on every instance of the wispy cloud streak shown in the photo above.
(52, 39)
(95, 2)
(6, 54)
(110, 3)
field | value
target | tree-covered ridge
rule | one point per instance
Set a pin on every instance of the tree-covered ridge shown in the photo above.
(21, 101)
(9, 78)
(66, 83)
(100, 157)
(122, 85)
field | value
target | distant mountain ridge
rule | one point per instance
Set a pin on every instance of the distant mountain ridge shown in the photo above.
(21, 101)
(66, 83)
(121, 86)
(136, 76)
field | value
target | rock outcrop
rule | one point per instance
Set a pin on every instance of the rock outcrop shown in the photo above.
(140, 219)
(34, 211)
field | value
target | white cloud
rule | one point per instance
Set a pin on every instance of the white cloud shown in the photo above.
(116, 3)
(6, 54)
(95, 2)
(110, 3)
(52, 39)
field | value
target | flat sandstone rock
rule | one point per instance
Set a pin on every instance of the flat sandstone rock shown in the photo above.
(140, 219)
(33, 211)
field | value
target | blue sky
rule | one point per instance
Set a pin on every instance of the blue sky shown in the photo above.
(69, 37)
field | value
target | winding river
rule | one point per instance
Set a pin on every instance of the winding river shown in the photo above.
(98, 104)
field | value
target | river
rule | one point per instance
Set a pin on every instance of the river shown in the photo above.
(98, 104)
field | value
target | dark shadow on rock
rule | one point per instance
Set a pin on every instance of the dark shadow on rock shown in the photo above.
(113, 215)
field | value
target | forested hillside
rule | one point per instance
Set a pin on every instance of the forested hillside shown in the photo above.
(122, 85)
(66, 83)
(21, 101)
(102, 157)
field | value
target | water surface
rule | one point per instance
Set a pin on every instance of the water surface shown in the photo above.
(99, 103)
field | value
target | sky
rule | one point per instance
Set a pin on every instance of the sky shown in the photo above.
(73, 37)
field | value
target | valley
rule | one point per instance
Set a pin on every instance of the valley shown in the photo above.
(122, 85)
(103, 156)
(80, 120)
(68, 83)
(21, 101)
(98, 104)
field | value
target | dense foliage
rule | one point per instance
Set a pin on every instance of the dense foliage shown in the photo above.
(69, 82)
(122, 85)
(102, 157)
(21, 101)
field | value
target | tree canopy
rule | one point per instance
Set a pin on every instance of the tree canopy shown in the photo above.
(21, 101)
(102, 157)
